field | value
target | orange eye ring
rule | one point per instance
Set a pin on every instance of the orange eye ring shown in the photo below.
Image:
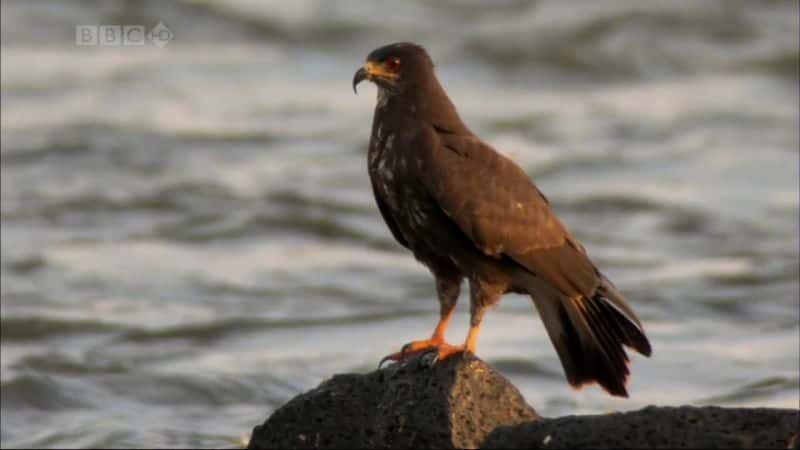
(392, 63)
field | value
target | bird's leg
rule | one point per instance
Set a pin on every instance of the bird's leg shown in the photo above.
(482, 295)
(436, 339)
(447, 289)
(478, 306)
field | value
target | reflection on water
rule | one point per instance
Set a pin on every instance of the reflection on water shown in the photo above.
(189, 238)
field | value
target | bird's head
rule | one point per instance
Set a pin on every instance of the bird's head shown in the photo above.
(394, 67)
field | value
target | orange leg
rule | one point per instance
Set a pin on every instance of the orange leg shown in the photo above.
(480, 298)
(438, 344)
(415, 347)
(470, 345)
(482, 295)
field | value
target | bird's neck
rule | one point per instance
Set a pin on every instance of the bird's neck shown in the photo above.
(426, 103)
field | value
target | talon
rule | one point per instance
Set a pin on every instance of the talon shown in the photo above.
(410, 349)
(430, 357)
(430, 352)
(392, 357)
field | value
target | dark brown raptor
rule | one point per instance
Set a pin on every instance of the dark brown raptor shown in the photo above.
(466, 211)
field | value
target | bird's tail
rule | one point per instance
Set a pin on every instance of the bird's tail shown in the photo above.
(588, 334)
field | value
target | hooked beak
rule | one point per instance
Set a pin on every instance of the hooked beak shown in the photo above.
(378, 74)
(361, 75)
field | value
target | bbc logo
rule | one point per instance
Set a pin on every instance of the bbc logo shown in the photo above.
(122, 35)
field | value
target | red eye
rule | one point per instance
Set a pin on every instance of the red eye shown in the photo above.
(392, 62)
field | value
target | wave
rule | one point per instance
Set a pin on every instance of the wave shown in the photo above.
(41, 392)
(191, 21)
(55, 391)
(211, 212)
(607, 40)
(635, 40)
(22, 146)
(42, 328)
(61, 364)
(233, 326)
(515, 366)
(24, 329)
(614, 203)
(169, 198)
(763, 388)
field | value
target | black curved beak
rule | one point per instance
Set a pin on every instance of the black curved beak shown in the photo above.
(361, 75)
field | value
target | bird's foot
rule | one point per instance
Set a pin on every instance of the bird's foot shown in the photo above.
(429, 350)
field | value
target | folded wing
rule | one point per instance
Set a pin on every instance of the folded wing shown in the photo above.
(493, 201)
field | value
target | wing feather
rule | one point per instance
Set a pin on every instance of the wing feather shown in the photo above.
(494, 202)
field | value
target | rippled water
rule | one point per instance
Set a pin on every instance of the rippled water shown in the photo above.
(189, 238)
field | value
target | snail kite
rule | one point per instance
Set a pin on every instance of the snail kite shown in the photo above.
(466, 211)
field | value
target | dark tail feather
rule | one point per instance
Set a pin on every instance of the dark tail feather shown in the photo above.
(589, 334)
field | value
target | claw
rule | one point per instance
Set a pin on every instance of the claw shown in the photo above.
(396, 357)
(429, 352)
(386, 358)
(429, 358)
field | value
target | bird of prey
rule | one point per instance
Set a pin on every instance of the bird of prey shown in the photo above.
(468, 212)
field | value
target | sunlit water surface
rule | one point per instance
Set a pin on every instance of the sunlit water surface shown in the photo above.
(189, 237)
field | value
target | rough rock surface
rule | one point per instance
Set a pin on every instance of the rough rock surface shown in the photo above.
(463, 403)
(656, 427)
(455, 404)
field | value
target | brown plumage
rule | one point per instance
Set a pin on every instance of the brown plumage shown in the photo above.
(466, 211)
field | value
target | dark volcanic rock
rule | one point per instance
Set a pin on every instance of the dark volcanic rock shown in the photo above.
(463, 403)
(455, 404)
(656, 427)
